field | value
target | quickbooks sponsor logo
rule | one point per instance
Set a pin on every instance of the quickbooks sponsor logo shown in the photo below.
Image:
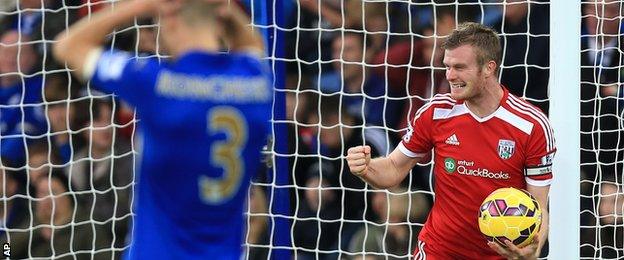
(449, 165)
(485, 173)
(467, 168)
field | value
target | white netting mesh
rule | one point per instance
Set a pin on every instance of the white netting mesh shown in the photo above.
(372, 61)
(375, 63)
(601, 130)
(67, 151)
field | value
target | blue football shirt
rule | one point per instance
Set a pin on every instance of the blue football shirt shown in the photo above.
(204, 119)
(22, 117)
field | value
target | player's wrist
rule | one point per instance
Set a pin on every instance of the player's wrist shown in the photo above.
(531, 257)
(144, 8)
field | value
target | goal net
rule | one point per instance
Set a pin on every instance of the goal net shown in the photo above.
(68, 151)
(356, 72)
(346, 72)
(601, 130)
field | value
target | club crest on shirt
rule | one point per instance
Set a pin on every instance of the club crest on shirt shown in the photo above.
(506, 148)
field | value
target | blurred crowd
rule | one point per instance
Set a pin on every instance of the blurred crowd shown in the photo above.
(602, 197)
(356, 73)
(67, 153)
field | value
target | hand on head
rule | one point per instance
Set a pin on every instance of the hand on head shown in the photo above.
(166, 7)
(159, 7)
(170, 7)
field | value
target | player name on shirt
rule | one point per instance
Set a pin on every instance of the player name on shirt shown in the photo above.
(236, 89)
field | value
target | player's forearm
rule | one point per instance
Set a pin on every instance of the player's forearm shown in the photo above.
(543, 233)
(382, 173)
(89, 33)
(540, 193)
(239, 33)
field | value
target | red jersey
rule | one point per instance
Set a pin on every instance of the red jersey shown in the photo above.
(472, 157)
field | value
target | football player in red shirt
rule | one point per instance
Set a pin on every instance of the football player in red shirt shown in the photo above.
(483, 138)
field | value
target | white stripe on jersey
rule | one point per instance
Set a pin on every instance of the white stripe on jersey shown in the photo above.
(446, 96)
(541, 183)
(528, 106)
(459, 110)
(520, 110)
(532, 114)
(441, 113)
(445, 113)
(425, 107)
(409, 153)
(539, 114)
(544, 120)
(514, 120)
(436, 100)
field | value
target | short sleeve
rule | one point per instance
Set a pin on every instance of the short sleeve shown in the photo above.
(540, 153)
(120, 73)
(418, 140)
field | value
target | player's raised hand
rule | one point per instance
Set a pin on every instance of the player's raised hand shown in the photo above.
(358, 159)
(166, 7)
(151, 8)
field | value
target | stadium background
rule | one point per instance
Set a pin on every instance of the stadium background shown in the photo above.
(338, 65)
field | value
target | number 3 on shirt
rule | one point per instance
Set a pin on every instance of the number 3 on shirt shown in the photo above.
(225, 154)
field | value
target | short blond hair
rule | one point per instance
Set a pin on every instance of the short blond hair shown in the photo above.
(198, 12)
(483, 38)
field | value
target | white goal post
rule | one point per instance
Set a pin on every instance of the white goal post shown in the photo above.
(564, 84)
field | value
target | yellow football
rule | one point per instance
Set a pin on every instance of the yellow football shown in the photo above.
(510, 214)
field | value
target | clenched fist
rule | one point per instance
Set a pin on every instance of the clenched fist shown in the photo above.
(358, 158)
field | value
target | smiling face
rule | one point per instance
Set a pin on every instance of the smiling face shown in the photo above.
(464, 74)
(471, 57)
